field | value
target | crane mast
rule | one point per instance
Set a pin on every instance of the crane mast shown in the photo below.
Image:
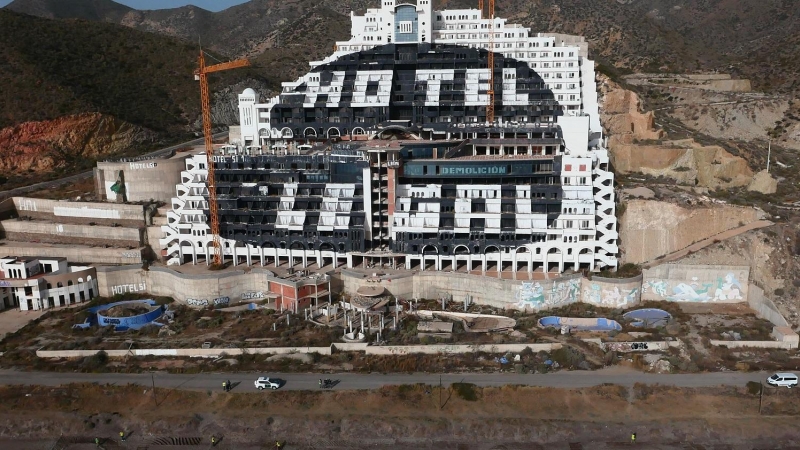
(201, 74)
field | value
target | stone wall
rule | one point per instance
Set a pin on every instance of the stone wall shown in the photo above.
(695, 283)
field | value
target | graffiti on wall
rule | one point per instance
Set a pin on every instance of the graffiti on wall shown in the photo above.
(196, 302)
(126, 288)
(534, 295)
(204, 302)
(630, 346)
(252, 295)
(725, 289)
(612, 297)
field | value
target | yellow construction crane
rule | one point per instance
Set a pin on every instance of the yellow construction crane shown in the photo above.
(201, 74)
(490, 63)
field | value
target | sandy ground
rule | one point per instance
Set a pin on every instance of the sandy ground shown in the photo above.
(402, 417)
(12, 320)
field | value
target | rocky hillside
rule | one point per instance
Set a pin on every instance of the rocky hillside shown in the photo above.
(69, 141)
(751, 38)
(88, 78)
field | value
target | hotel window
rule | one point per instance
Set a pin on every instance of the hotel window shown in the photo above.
(406, 27)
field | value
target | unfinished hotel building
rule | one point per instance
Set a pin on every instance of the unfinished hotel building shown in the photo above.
(381, 155)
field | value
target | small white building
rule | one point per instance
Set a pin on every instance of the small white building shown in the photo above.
(44, 282)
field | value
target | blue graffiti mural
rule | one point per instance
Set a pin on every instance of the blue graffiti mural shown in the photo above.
(533, 294)
(727, 288)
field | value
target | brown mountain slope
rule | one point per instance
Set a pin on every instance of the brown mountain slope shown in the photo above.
(749, 35)
(96, 10)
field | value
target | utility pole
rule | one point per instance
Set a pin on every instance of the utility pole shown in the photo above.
(769, 152)
(153, 380)
(440, 392)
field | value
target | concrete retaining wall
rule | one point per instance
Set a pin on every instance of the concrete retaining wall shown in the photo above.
(62, 233)
(457, 348)
(80, 212)
(754, 344)
(370, 350)
(75, 254)
(612, 292)
(764, 307)
(195, 289)
(639, 346)
(696, 283)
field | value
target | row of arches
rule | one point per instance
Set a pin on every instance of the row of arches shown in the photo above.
(310, 132)
(461, 249)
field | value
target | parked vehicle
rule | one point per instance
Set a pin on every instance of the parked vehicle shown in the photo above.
(782, 379)
(264, 383)
(326, 383)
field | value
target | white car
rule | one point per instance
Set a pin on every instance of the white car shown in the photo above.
(264, 383)
(782, 379)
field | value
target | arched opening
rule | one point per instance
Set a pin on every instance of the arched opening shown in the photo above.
(333, 132)
(358, 131)
(287, 133)
(523, 255)
(310, 132)
(430, 249)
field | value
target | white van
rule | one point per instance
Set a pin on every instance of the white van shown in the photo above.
(781, 379)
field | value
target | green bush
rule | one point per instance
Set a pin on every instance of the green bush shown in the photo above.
(754, 387)
(467, 391)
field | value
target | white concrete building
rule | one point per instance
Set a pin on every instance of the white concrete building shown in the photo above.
(531, 191)
(41, 283)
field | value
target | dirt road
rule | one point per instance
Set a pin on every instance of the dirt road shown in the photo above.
(348, 381)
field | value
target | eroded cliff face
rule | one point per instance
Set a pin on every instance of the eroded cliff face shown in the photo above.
(43, 146)
(636, 146)
(650, 228)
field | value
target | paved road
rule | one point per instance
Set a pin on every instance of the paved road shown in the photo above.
(310, 381)
(73, 178)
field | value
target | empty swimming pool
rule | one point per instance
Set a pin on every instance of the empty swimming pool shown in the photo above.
(648, 317)
(577, 323)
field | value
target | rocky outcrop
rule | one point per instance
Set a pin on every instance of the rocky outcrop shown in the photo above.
(686, 162)
(650, 229)
(622, 119)
(43, 146)
(763, 183)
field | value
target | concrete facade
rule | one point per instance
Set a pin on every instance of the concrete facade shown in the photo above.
(143, 180)
(44, 282)
(696, 283)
